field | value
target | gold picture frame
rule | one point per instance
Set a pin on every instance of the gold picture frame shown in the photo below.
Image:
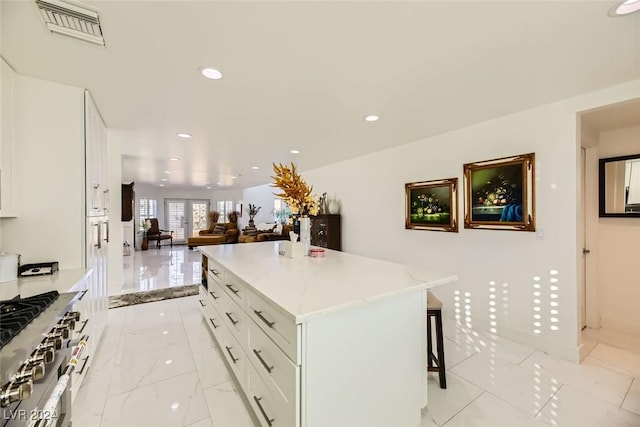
(499, 194)
(432, 205)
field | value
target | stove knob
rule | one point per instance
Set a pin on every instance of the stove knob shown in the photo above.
(52, 341)
(14, 392)
(33, 371)
(60, 330)
(68, 323)
(75, 315)
(44, 354)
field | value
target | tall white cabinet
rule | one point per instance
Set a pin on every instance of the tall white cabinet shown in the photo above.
(60, 174)
(8, 197)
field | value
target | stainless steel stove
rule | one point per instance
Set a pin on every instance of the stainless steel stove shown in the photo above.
(35, 347)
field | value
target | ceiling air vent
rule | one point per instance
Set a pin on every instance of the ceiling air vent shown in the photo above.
(71, 19)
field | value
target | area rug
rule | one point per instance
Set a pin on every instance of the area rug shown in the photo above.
(124, 300)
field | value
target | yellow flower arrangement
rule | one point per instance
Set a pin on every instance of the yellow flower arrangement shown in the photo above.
(295, 191)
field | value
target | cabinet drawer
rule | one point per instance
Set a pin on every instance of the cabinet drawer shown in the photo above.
(280, 328)
(272, 363)
(270, 407)
(235, 288)
(234, 354)
(235, 319)
(215, 271)
(214, 321)
(203, 300)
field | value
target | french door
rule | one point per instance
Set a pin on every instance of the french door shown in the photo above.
(185, 217)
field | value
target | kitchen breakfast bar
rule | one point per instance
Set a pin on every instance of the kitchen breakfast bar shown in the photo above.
(315, 342)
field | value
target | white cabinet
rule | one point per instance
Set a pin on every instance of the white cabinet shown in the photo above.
(97, 188)
(320, 342)
(8, 195)
(84, 328)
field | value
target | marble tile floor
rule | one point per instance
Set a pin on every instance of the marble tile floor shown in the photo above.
(158, 365)
(158, 268)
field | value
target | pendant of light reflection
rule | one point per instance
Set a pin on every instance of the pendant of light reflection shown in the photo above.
(553, 303)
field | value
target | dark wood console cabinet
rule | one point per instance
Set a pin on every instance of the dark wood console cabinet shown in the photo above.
(326, 232)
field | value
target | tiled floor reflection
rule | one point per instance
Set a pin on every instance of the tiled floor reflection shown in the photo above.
(159, 268)
(158, 365)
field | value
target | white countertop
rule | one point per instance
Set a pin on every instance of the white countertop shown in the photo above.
(307, 287)
(61, 281)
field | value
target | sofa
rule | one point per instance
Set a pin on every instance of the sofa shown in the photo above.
(216, 234)
(251, 234)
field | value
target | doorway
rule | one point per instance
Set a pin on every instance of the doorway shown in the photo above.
(608, 272)
(185, 217)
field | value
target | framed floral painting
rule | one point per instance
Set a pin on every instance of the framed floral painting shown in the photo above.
(499, 194)
(432, 205)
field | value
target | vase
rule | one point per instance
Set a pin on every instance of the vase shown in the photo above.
(145, 243)
(296, 225)
(305, 234)
(333, 206)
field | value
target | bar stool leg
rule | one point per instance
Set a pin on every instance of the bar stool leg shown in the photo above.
(440, 338)
(429, 342)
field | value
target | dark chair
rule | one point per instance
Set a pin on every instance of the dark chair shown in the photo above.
(435, 362)
(155, 233)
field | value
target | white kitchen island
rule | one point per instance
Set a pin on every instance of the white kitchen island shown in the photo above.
(321, 342)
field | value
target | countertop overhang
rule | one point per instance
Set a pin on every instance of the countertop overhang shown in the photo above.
(307, 287)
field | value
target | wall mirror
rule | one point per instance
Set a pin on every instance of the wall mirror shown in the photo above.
(620, 186)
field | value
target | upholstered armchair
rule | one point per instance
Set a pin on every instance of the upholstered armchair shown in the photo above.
(155, 233)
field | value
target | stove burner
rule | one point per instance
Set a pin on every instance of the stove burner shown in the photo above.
(15, 314)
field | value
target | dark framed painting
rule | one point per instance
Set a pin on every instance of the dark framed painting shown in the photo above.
(432, 205)
(499, 194)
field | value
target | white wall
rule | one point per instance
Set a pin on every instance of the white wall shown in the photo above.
(618, 269)
(261, 196)
(49, 174)
(493, 265)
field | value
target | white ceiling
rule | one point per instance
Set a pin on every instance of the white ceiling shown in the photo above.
(302, 75)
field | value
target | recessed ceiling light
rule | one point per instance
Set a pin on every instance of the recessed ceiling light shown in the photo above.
(161, 185)
(255, 167)
(184, 135)
(625, 8)
(211, 73)
(167, 171)
(175, 158)
(371, 118)
(295, 151)
(233, 177)
(163, 179)
(219, 183)
(208, 187)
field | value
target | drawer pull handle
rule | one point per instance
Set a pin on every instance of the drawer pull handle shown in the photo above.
(264, 414)
(235, 291)
(214, 325)
(233, 359)
(202, 303)
(213, 295)
(83, 326)
(259, 314)
(235, 322)
(214, 271)
(267, 367)
(84, 365)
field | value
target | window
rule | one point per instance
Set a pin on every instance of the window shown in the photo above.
(281, 211)
(148, 209)
(224, 207)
